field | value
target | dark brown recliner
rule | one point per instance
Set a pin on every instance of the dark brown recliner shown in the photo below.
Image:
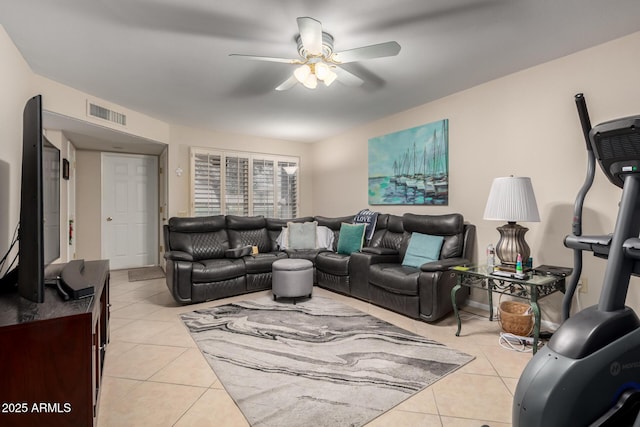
(246, 232)
(425, 292)
(198, 255)
(334, 271)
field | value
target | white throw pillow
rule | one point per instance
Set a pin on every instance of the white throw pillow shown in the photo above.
(325, 238)
(324, 235)
(283, 238)
(302, 235)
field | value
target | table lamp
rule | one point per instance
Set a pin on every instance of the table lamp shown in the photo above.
(511, 199)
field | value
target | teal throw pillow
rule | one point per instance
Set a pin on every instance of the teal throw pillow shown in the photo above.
(302, 235)
(351, 238)
(422, 248)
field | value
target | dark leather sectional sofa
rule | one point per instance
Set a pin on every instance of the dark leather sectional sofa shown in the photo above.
(209, 258)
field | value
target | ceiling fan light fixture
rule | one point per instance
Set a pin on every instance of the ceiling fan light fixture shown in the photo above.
(311, 81)
(302, 73)
(330, 78)
(318, 60)
(322, 70)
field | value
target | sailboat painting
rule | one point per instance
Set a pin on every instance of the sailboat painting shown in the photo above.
(410, 167)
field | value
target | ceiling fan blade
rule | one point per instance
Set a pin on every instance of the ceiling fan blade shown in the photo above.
(266, 58)
(346, 77)
(287, 84)
(310, 34)
(367, 52)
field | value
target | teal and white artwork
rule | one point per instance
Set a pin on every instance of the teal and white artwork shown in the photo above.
(411, 166)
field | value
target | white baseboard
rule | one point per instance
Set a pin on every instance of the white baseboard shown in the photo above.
(545, 325)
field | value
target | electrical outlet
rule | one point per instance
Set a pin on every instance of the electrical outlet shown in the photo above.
(583, 285)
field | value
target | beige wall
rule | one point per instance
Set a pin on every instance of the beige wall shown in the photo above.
(67, 101)
(15, 89)
(523, 124)
(71, 102)
(17, 84)
(88, 205)
(182, 138)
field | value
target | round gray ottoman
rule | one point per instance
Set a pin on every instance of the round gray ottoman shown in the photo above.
(293, 278)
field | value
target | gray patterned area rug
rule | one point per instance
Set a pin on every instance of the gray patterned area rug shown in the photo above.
(316, 363)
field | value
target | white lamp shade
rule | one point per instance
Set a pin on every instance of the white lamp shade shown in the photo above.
(322, 70)
(301, 73)
(330, 78)
(311, 81)
(512, 199)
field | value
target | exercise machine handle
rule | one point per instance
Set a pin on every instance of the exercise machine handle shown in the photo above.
(585, 122)
(576, 226)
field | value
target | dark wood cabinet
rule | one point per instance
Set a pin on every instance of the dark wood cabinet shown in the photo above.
(51, 355)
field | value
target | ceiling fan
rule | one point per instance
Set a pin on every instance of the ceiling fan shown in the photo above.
(318, 61)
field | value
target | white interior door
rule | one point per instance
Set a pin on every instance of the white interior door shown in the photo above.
(129, 210)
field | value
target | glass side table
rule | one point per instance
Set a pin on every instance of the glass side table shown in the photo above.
(532, 289)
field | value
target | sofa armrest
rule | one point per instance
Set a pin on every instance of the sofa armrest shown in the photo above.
(373, 257)
(178, 278)
(379, 251)
(178, 256)
(238, 252)
(443, 264)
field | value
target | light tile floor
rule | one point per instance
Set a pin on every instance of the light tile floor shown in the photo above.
(154, 374)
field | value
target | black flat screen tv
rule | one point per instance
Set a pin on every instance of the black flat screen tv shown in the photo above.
(39, 232)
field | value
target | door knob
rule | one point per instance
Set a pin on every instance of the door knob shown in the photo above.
(109, 218)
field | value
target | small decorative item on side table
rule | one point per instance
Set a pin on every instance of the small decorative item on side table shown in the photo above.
(530, 286)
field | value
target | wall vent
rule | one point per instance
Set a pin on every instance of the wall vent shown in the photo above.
(95, 110)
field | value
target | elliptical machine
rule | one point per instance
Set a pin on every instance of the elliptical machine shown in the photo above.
(589, 372)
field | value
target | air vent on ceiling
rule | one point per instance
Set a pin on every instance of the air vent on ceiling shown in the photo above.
(95, 110)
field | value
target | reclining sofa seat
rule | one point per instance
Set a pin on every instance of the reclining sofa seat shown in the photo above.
(383, 247)
(196, 259)
(334, 270)
(275, 226)
(425, 292)
(246, 232)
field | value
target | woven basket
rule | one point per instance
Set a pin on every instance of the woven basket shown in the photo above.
(516, 318)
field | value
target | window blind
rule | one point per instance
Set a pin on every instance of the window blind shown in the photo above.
(245, 184)
(264, 194)
(288, 189)
(236, 186)
(206, 184)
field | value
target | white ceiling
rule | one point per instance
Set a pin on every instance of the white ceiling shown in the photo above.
(170, 59)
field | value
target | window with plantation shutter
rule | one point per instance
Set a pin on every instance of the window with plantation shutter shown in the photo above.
(264, 194)
(236, 186)
(287, 186)
(206, 184)
(245, 184)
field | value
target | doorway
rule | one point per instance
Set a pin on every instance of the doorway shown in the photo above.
(129, 210)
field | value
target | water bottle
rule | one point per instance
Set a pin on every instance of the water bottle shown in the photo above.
(491, 257)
